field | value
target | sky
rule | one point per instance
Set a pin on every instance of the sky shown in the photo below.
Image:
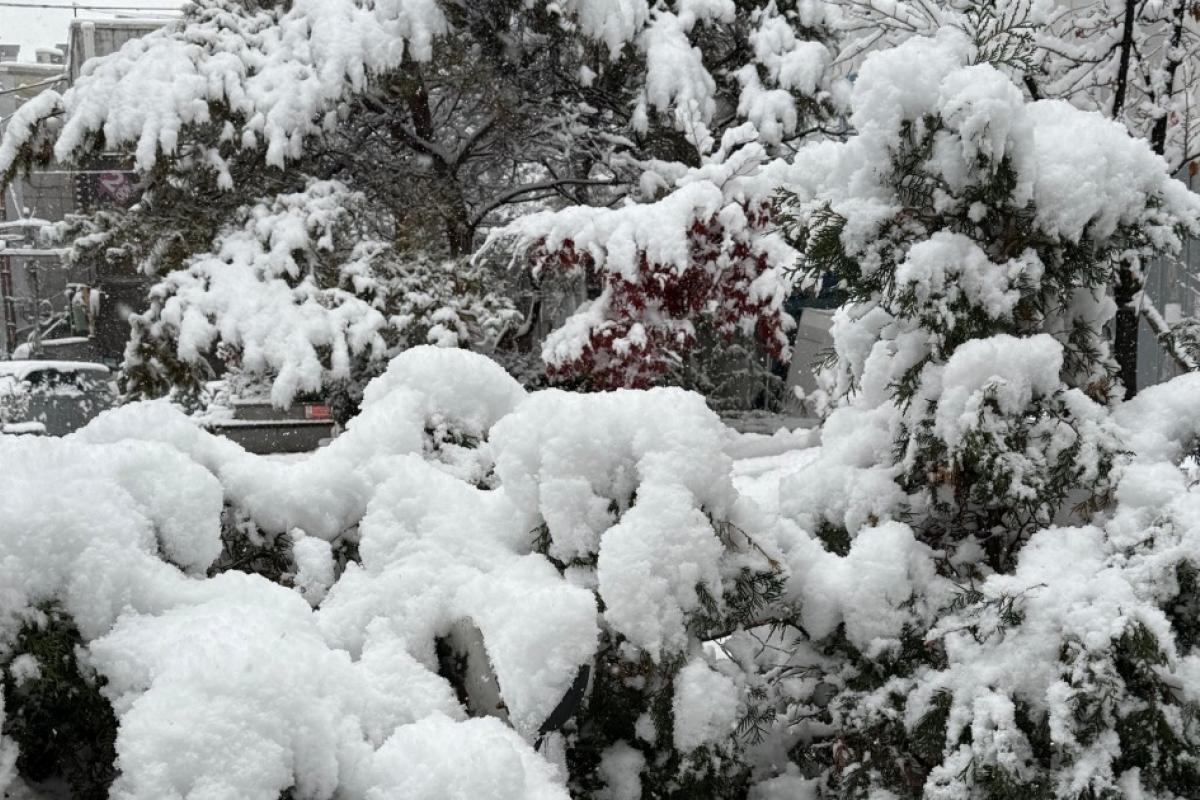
(44, 27)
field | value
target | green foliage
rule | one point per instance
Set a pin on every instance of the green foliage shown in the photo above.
(1124, 690)
(630, 699)
(247, 548)
(835, 538)
(1183, 339)
(62, 724)
(1184, 610)
(871, 746)
(1003, 34)
(1011, 474)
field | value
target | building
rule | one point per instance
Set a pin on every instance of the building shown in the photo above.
(45, 306)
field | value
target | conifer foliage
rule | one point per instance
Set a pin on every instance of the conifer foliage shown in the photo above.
(307, 290)
(975, 234)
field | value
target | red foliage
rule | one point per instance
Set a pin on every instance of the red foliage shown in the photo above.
(648, 323)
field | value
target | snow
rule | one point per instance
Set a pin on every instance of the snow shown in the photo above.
(705, 706)
(650, 565)
(257, 291)
(868, 589)
(1074, 591)
(708, 230)
(529, 530)
(279, 72)
(298, 290)
(315, 567)
(791, 65)
(501, 764)
(1007, 370)
(1091, 179)
(620, 768)
(1161, 420)
(21, 125)
(615, 237)
(458, 387)
(1081, 173)
(331, 686)
(614, 22)
(242, 672)
(618, 443)
(947, 266)
(22, 369)
(677, 79)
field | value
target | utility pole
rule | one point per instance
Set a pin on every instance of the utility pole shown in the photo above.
(6, 296)
(35, 283)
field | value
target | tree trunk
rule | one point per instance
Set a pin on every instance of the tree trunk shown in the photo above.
(452, 206)
(1125, 347)
(1158, 136)
(1121, 89)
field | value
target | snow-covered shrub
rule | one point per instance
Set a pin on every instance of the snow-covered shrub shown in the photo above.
(976, 235)
(571, 600)
(631, 496)
(1028, 651)
(236, 671)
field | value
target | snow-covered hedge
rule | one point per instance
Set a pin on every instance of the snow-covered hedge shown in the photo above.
(227, 684)
(604, 536)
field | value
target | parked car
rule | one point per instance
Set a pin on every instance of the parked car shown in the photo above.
(53, 397)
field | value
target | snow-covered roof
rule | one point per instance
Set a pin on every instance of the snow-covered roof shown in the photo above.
(23, 369)
(31, 222)
(31, 67)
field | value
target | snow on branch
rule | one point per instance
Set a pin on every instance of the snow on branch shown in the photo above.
(300, 291)
(272, 76)
(703, 254)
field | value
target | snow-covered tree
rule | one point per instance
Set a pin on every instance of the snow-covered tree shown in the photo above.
(696, 260)
(701, 260)
(1132, 61)
(976, 234)
(524, 105)
(303, 291)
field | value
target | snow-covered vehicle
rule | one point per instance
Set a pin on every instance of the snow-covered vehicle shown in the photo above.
(52, 397)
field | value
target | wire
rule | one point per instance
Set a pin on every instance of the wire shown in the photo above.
(77, 7)
(26, 86)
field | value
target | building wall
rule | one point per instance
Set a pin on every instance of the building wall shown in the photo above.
(53, 193)
(91, 38)
(45, 196)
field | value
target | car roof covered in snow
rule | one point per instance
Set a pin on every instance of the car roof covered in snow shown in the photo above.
(23, 369)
